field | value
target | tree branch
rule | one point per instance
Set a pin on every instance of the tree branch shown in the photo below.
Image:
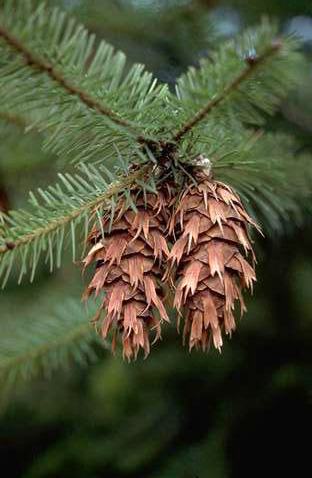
(35, 353)
(252, 64)
(45, 67)
(53, 225)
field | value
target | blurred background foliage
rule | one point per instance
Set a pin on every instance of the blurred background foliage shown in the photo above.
(246, 412)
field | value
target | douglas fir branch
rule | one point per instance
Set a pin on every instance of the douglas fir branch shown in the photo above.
(168, 237)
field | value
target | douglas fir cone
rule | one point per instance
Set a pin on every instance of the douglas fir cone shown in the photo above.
(211, 225)
(128, 270)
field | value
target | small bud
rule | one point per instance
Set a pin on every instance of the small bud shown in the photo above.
(204, 163)
(10, 245)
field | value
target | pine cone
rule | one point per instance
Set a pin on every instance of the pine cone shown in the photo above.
(212, 229)
(128, 269)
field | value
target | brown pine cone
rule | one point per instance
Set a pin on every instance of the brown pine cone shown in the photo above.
(128, 269)
(211, 225)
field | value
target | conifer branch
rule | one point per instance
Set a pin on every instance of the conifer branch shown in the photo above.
(35, 62)
(50, 341)
(43, 349)
(271, 177)
(252, 64)
(66, 211)
(87, 207)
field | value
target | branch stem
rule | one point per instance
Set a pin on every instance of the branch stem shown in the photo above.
(53, 225)
(234, 85)
(45, 67)
(41, 350)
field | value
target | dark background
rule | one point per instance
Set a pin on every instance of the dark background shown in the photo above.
(246, 412)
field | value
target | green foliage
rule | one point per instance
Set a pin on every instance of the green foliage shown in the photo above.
(274, 181)
(51, 223)
(41, 344)
(57, 101)
(236, 88)
(266, 66)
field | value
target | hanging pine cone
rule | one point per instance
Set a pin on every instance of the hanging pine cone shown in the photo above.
(212, 229)
(128, 268)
